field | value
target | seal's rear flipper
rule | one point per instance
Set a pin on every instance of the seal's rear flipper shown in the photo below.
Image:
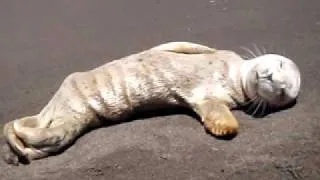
(26, 140)
(184, 47)
(44, 141)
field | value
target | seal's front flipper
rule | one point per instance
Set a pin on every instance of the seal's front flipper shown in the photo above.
(217, 118)
(184, 47)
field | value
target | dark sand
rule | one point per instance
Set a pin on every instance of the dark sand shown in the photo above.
(43, 41)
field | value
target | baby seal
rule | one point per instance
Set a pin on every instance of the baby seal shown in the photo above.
(210, 82)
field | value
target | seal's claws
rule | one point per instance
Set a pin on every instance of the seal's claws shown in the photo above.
(222, 127)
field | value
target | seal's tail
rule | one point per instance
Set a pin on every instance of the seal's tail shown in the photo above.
(184, 47)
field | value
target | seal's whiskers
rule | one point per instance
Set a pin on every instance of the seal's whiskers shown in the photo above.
(249, 102)
(264, 50)
(249, 51)
(263, 110)
(260, 101)
(253, 105)
(257, 50)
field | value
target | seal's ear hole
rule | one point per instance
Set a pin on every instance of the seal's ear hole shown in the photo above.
(29, 121)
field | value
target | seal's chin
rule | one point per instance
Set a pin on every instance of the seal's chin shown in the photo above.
(276, 98)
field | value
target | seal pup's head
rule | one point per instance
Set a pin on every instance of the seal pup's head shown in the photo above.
(270, 79)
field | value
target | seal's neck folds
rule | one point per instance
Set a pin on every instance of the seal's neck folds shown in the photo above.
(246, 73)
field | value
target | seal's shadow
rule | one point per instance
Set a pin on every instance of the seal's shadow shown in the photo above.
(172, 111)
(163, 112)
(147, 115)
